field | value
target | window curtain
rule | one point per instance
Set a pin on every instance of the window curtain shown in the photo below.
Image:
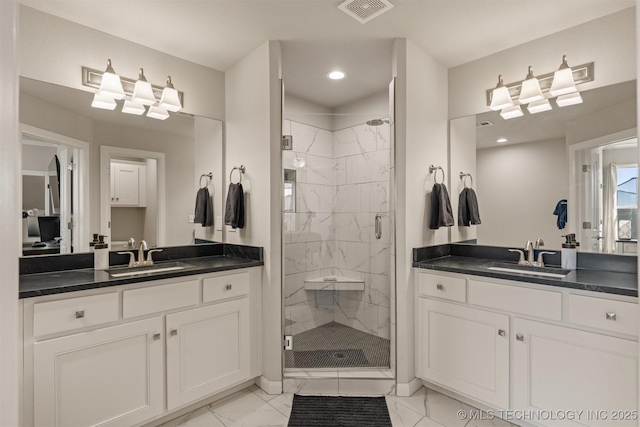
(610, 216)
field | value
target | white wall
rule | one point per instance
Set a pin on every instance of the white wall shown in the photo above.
(609, 41)
(519, 186)
(303, 111)
(10, 227)
(462, 158)
(253, 138)
(619, 156)
(420, 139)
(615, 119)
(374, 106)
(54, 50)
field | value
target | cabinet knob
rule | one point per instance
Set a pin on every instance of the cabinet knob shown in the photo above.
(519, 337)
(79, 314)
(502, 332)
(439, 287)
(228, 287)
(156, 337)
(612, 316)
(173, 332)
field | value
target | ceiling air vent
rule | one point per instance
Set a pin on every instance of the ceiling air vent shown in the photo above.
(364, 10)
(484, 124)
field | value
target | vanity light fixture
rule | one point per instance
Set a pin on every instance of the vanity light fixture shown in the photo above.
(131, 107)
(111, 86)
(142, 91)
(170, 100)
(569, 99)
(141, 94)
(511, 112)
(336, 75)
(500, 97)
(157, 113)
(530, 91)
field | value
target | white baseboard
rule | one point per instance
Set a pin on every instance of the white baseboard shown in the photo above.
(407, 389)
(269, 387)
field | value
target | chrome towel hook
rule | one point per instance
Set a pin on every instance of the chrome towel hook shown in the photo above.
(240, 170)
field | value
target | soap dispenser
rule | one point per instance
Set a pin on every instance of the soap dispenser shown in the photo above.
(569, 252)
(101, 254)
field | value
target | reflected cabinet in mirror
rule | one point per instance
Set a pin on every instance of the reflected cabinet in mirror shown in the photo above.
(540, 176)
(93, 171)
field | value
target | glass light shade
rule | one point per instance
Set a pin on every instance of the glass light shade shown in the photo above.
(111, 86)
(131, 107)
(511, 112)
(299, 162)
(105, 103)
(142, 91)
(157, 113)
(530, 89)
(569, 99)
(539, 106)
(170, 99)
(500, 97)
(563, 82)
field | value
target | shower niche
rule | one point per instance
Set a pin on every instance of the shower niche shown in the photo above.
(338, 241)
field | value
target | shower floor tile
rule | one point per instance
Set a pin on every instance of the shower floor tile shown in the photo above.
(334, 345)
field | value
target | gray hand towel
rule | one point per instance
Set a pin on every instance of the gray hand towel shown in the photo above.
(204, 208)
(234, 211)
(468, 212)
(441, 212)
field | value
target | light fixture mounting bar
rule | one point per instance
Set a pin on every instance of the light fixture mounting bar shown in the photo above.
(92, 78)
(581, 74)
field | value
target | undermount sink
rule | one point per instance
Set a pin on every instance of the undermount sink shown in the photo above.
(529, 270)
(148, 269)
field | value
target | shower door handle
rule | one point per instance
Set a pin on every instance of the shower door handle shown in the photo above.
(378, 221)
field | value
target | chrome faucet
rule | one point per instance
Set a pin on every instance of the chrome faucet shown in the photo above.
(143, 247)
(531, 257)
(141, 261)
(539, 243)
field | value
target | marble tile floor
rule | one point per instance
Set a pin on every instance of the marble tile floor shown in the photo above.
(252, 407)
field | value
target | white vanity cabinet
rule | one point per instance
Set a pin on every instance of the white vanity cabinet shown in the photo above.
(128, 184)
(108, 377)
(528, 347)
(125, 355)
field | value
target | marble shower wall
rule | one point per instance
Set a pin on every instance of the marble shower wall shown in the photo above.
(343, 185)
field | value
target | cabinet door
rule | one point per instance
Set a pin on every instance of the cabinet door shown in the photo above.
(464, 349)
(207, 350)
(127, 184)
(559, 369)
(107, 377)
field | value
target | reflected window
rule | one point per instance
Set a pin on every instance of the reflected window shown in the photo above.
(627, 202)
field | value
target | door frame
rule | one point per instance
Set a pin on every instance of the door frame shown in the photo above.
(82, 190)
(106, 154)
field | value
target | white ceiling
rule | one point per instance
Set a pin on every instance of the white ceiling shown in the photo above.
(317, 37)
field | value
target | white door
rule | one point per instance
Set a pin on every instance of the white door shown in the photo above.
(127, 184)
(107, 377)
(464, 349)
(69, 198)
(207, 350)
(559, 369)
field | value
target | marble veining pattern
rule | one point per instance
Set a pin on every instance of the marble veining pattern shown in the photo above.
(253, 407)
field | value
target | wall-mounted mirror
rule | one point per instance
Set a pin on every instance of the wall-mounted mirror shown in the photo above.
(62, 118)
(524, 168)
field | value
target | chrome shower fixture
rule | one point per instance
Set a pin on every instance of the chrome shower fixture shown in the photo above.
(376, 122)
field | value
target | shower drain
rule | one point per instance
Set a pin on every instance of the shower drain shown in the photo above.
(339, 355)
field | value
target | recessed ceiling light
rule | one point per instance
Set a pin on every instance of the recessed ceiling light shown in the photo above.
(501, 140)
(336, 75)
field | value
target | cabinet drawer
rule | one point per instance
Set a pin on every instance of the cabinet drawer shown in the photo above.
(435, 285)
(154, 299)
(524, 301)
(616, 316)
(74, 313)
(226, 286)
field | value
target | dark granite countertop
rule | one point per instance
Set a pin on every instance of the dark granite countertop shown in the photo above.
(620, 279)
(58, 281)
